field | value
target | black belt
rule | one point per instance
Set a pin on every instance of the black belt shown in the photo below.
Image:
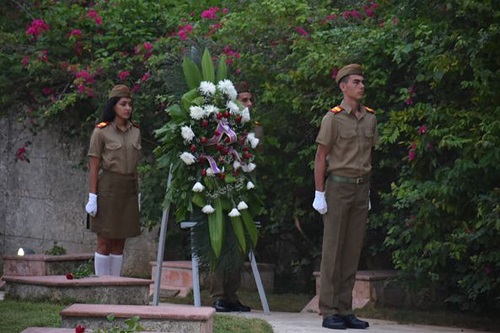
(351, 180)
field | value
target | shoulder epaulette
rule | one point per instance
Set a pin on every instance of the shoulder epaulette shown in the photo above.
(102, 124)
(336, 109)
(370, 110)
(136, 125)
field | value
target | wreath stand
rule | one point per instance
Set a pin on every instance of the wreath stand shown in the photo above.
(194, 260)
(196, 274)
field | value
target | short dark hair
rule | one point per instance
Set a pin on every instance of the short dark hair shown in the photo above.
(242, 87)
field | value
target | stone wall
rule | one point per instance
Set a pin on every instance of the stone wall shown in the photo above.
(43, 201)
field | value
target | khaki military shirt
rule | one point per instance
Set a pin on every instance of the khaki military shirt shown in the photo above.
(119, 151)
(349, 141)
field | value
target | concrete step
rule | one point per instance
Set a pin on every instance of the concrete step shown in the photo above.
(95, 289)
(59, 330)
(178, 275)
(163, 318)
(42, 264)
(372, 288)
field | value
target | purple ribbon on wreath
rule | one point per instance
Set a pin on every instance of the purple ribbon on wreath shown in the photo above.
(223, 128)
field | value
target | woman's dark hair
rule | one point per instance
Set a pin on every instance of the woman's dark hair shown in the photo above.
(109, 113)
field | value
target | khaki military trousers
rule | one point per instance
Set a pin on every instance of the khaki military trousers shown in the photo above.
(224, 285)
(343, 233)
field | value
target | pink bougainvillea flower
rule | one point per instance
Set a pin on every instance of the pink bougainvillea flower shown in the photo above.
(184, 31)
(47, 91)
(409, 101)
(301, 31)
(93, 14)
(136, 88)
(37, 27)
(331, 17)
(26, 60)
(20, 153)
(396, 21)
(335, 71)
(145, 77)
(123, 75)
(147, 46)
(80, 329)
(422, 129)
(75, 32)
(411, 154)
(210, 14)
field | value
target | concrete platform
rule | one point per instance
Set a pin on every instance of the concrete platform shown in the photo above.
(97, 289)
(178, 275)
(372, 288)
(172, 318)
(41, 264)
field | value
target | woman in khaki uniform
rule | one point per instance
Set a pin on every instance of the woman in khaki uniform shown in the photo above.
(114, 153)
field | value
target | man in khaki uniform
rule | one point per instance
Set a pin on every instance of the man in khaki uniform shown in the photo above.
(345, 140)
(225, 283)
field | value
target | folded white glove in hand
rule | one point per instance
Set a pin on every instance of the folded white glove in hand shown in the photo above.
(319, 202)
(91, 206)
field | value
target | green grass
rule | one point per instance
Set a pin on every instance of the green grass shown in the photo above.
(15, 316)
(19, 315)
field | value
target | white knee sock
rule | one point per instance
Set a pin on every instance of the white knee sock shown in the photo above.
(101, 264)
(115, 267)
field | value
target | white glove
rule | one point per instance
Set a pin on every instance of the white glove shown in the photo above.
(369, 201)
(319, 202)
(139, 201)
(91, 206)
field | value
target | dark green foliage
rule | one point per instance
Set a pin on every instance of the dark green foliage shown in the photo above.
(432, 73)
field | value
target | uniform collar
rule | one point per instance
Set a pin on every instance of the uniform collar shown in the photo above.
(348, 108)
(128, 126)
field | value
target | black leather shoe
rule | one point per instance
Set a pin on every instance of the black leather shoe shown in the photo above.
(237, 306)
(334, 322)
(222, 306)
(352, 322)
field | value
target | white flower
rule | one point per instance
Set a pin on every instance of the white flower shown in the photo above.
(208, 209)
(198, 187)
(245, 115)
(242, 205)
(236, 165)
(210, 109)
(250, 185)
(249, 167)
(196, 112)
(210, 172)
(227, 88)
(207, 88)
(188, 158)
(254, 142)
(187, 133)
(234, 212)
(233, 107)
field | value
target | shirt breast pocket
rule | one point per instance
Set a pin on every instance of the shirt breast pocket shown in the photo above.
(347, 138)
(369, 136)
(113, 152)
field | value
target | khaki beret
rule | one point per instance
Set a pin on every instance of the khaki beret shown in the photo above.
(348, 70)
(120, 90)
